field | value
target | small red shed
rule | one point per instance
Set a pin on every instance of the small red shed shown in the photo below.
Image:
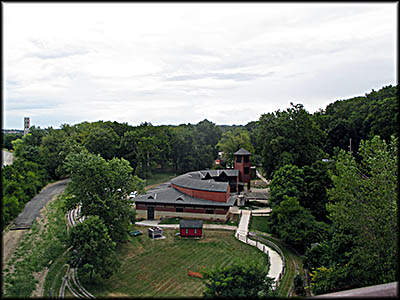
(191, 228)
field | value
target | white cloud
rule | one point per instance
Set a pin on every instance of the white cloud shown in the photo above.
(178, 63)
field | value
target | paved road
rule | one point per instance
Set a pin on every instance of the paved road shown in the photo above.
(32, 209)
(7, 158)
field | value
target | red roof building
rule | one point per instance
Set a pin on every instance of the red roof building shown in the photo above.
(191, 228)
(206, 194)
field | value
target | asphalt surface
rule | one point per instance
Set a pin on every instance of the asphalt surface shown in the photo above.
(32, 209)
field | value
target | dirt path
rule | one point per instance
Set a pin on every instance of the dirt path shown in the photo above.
(41, 276)
(11, 240)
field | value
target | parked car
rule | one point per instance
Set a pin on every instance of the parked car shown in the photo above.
(135, 233)
(133, 194)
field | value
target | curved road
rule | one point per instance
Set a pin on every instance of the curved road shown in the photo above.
(32, 209)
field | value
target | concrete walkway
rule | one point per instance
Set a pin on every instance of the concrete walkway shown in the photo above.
(262, 177)
(276, 263)
(244, 223)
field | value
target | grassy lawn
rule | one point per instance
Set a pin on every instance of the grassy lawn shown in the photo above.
(158, 268)
(259, 223)
(158, 178)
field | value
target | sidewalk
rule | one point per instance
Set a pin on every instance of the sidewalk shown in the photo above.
(276, 263)
(244, 223)
(262, 177)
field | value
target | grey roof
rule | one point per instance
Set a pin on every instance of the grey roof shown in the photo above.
(193, 180)
(191, 223)
(242, 151)
(170, 195)
(217, 173)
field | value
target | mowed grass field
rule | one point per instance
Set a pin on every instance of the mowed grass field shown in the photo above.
(158, 268)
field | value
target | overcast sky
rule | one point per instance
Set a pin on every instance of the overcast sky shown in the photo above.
(174, 63)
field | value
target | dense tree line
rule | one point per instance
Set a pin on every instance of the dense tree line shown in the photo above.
(337, 207)
(8, 138)
(21, 182)
(23, 179)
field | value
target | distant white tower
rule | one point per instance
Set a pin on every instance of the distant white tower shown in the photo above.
(27, 123)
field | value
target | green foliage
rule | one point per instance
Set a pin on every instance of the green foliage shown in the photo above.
(8, 138)
(27, 147)
(193, 147)
(329, 280)
(363, 210)
(103, 141)
(238, 280)
(307, 184)
(359, 118)
(232, 141)
(35, 252)
(21, 181)
(299, 286)
(316, 182)
(287, 181)
(103, 188)
(295, 225)
(289, 137)
(92, 248)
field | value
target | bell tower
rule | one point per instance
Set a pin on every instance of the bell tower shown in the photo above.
(242, 163)
(27, 123)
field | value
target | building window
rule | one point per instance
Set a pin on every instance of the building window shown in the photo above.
(209, 211)
(179, 209)
(186, 231)
(195, 231)
(239, 159)
(246, 159)
(246, 170)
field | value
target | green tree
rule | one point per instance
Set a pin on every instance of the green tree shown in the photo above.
(103, 141)
(103, 188)
(8, 138)
(93, 250)
(289, 137)
(232, 141)
(287, 181)
(359, 118)
(183, 148)
(295, 225)
(316, 182)
(128, 147)
(363, 209)
(49, 151)
(238, 280)
(146, 148)
(208, 136)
